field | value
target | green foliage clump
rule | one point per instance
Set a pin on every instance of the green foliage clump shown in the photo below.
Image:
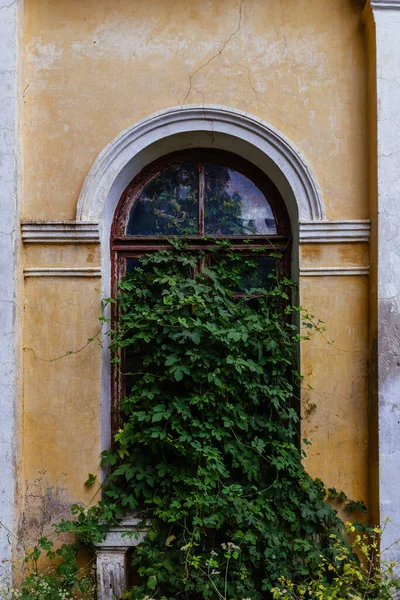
(60, 578)
(209, 453)
(357, 573)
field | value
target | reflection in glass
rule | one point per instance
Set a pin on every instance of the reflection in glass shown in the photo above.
(132, 264)
(168, 205)
(259, 275)
(234, 205)
(130, 360)
(250, 272)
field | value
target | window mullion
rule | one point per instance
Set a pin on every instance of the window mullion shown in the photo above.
(201, 198)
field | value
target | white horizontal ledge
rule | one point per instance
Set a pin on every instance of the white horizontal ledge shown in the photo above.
(385, 4)
(333, 271)
(334, 231)
(63, 272)
(125, 533)
(60, 232)
(96, 271)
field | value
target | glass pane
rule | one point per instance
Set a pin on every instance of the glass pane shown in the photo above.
(258, 276)
(250, 272)
(234, 205)
(132, 264)
(130, 360)
(169, 204)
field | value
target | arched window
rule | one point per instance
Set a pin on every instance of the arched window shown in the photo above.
(199, 195)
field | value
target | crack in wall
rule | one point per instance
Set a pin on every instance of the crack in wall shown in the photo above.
(214, 55)
(5, 6)
(283, 39)
(252, 86)
(192, 87)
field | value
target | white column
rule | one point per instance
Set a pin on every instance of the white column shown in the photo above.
(111, 571)
(8, 263)
(111, 566)
(383, 23)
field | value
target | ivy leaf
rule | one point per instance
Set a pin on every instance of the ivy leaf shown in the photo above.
(171, 360)
(91, 479)
(179, 371)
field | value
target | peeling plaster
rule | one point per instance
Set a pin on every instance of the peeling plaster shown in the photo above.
(44, 55)
(45, 505)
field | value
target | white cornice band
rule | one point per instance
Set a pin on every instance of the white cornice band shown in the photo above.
(385, 4)
(333, 271)
(334, 231)
(63, 272)
(96, 271)
(63, 232)
(60, 232)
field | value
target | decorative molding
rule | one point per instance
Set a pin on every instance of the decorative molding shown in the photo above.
(210, 126)
(332, 271)
(372, 7)
(63, 232)
(60, 232)
(385, 4)
(63, 272)
(111, 570)
(111, 560)
(334, 231)
(125, 534)
(182, 128)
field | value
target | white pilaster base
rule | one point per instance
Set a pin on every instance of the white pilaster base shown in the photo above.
(111, 563)
(111, 570)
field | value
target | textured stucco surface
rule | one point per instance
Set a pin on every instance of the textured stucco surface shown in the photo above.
(334, 364)
(334, 255)
(10, 308)
(63, 387)
(93, 68)
(387, 24)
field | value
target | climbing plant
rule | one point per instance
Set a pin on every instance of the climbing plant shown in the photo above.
(208, 454)
(349, 578)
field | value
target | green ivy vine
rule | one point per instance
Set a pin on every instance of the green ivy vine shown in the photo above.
(209, 454)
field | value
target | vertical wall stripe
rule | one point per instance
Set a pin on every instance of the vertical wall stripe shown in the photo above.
(9, 312)
(383, 28)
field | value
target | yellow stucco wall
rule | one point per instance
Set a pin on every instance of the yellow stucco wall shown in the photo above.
(94, 67)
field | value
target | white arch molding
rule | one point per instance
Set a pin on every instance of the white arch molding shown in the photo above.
(206, 126)
(185, 127)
